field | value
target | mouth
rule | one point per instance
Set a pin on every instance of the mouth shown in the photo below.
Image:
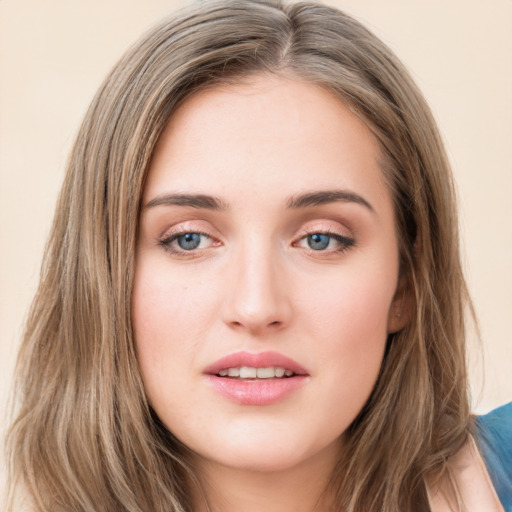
(248, 372)
(256, 379)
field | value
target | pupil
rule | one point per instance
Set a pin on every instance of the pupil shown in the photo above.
(189, 241)
(318, 241)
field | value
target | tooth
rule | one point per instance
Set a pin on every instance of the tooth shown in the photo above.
(247, 372)
(265, 373)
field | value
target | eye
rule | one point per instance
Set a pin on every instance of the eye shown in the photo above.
(318, 241)
(186, 242)
(189, 241)
(326, 242)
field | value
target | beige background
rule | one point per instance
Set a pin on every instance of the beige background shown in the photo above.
(54, 53)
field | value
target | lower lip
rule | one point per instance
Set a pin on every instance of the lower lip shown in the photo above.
(256, 391)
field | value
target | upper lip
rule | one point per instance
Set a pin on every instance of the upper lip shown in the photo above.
(255, 360)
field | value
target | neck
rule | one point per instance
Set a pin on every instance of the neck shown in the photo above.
(301, 488)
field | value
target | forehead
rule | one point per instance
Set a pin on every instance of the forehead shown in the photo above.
(268, 134)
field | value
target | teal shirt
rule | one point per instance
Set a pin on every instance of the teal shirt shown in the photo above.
(494, 437)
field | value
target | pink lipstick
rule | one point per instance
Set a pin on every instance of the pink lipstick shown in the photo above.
(256, 379)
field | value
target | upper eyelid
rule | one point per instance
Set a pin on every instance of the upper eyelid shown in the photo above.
(337, 236)
(167, 242)
(321, 229)
(324, 226)
(325, 229)
(176, 234)
(182, 228)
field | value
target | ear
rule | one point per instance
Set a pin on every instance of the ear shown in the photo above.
(402, 307)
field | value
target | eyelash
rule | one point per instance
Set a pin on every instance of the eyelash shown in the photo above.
(167, 241)
(345, 243)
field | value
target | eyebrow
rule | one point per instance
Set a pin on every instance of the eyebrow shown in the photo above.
(207, 202)
(202, 201)
(321, 197)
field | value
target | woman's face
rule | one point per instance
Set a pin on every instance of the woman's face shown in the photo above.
(266, 271)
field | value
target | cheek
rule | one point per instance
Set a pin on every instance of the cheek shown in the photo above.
(353, 313)
(355, 333)
(168, 325)
(350, 326)
(166, 306)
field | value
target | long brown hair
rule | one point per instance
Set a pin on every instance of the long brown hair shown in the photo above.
(85, 438)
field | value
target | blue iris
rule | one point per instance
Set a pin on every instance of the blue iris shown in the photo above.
(189, 241)
(318, 241)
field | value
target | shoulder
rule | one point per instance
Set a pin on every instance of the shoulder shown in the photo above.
(493, 434)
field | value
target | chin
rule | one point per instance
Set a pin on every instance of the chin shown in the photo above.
(259, 461)
(262, 453)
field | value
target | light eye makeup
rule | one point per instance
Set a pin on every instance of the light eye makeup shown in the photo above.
(186, 242)
(325, 241)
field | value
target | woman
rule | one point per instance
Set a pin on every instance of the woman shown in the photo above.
(252, 295)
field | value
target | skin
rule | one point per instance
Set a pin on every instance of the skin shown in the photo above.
(256, 284)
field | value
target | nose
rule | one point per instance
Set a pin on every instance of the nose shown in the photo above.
(258, 301)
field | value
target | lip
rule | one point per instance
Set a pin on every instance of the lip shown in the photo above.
(256, 360)
(256, 391)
